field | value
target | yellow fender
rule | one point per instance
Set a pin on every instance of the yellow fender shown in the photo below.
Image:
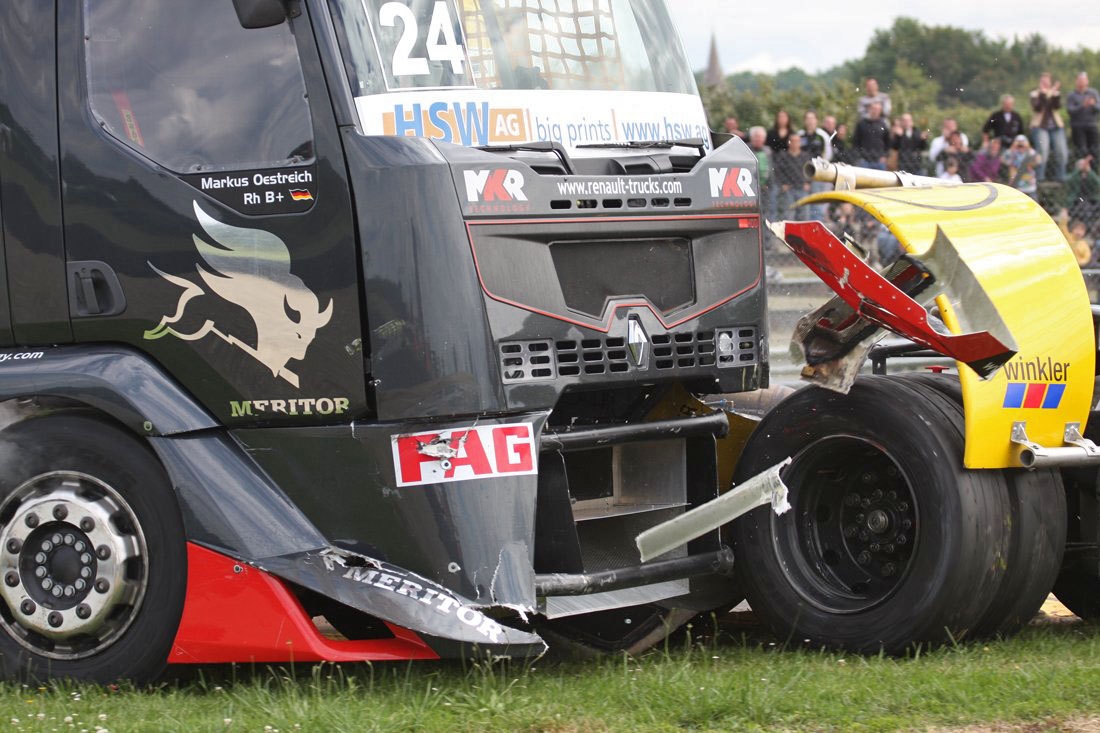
(1027, 269)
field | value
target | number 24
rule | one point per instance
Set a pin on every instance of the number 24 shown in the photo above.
(441, 43)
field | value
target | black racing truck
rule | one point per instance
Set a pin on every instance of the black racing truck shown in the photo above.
(369, 330)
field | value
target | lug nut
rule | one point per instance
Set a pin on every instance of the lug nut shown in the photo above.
(851, 499)
(40, 572)
(14, 545)
(850, 531)
(865, 503)
(46, 546)
(79, 584)
(54, 619)
(102, 586)
(863, 535)
(864, 558)
(40, 558)
(903, 506)
(103, 552)
(85, 572)
(47, 584)
(27, 607)
(902, 539)
(69, 539)
(79, 546)
(868, 478)
(889, 569)
(876, 495)
(83, 611)
(57, 591)
(11, 578)
(31, 520)
(906, 524)
(87, 524)
(56, 539)
(69, 591)
(889, 548)
(86, 559)
(891, 495)
(875, 547)
(60, 512)
(860, 517)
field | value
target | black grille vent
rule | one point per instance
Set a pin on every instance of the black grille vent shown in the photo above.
(527, 361)
(633, 203)
(592, 357)
(683, 350)
(736, 347)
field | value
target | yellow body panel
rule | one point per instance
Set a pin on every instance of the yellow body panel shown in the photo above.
(1026, 267)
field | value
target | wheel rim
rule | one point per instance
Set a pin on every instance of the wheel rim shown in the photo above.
(849, 541)
(73, 565)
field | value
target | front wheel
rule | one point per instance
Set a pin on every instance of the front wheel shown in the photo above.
(92, 553)
(890, 542)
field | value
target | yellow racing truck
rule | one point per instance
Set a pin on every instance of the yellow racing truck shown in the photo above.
(929, 505)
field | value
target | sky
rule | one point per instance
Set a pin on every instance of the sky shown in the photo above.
(759, 36)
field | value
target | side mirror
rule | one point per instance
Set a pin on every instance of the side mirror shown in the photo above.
(260, 13)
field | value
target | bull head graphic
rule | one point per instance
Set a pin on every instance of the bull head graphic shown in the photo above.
(250, 268)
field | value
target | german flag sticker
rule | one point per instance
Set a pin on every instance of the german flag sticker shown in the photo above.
(299, 194)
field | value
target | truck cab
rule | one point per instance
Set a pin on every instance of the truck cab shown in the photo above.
(362, 310)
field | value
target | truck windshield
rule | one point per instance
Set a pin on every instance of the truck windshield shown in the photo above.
(500, 72)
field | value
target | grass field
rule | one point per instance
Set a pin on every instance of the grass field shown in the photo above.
(1048, 677)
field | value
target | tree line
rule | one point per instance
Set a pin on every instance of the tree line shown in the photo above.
(932, 72)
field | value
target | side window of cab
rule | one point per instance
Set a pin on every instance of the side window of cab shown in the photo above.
(185, 85)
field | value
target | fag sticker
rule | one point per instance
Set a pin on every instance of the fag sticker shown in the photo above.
(462, 454)
(298, 194)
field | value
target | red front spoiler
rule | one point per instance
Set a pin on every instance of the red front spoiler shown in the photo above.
(237, 613)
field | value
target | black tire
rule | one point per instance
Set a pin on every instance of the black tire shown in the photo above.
(1037, 530)
(1078, 583)
(70, 483)
(890, 543)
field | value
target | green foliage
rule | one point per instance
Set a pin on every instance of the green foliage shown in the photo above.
(932, 72)
(1045, 679)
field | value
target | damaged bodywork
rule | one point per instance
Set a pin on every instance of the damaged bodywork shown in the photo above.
(974, 253)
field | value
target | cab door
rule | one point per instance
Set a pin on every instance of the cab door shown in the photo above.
(207, 219)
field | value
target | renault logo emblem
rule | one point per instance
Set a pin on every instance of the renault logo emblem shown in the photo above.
(637, 342)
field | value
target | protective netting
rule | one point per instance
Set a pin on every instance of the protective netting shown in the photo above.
(557, 43)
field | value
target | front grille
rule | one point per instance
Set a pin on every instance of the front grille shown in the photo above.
(683, 350)
(543, 359)
(736, 347)
(592, 357)
(526, 361)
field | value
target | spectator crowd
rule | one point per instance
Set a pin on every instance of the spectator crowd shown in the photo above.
(1032, 155)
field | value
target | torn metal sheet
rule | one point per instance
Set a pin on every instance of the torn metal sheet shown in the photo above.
(836, 374)
(449, 623)
(764, 488)
(560, 606)
(881, 302)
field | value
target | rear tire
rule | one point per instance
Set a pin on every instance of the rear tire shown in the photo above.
(1078, 584)
(1037, 529)
(93, 563)
(890, 542)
